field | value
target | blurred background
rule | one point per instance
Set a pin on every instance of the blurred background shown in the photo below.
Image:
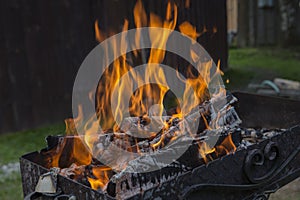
(43, 43)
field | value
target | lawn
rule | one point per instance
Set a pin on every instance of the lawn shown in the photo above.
(246, 65)
(256, 65)
(12, 146)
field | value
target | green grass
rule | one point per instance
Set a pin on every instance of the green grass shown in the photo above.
(14, 145)
(11, 187)
(254, 65)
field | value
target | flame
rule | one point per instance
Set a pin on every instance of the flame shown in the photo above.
(157, 55)
(215, 30)
(143, 98)
(53, 156)
(140, 16)
(189, 30)
(70, 150)
(98, 34)
(101, 177)
(148, 95)
(80, 153)
(227, 145)
(207, 153)
(187, 3)
(204, 149)
(70, 123)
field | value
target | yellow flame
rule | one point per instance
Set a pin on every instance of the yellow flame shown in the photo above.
(101, 177)
(143, 98)
(189, 30)
(98, 34)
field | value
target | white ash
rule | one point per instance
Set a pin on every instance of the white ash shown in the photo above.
(72, 170)
(252, 136)
(143, 126)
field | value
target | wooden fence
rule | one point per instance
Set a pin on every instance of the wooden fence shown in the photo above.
(268, 22)
(44, 42)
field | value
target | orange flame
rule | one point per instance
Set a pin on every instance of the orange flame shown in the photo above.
(102, 175)
(144, 97)
(226, 147)
(187, 3)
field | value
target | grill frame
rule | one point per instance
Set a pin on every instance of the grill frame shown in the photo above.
(233, 176)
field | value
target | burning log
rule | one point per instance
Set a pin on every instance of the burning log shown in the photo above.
(142, 126)
(177, 135)
(226, 115)
(186, 129)
(227, 118)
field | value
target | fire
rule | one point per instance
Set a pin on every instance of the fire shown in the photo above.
(189, 30)
(148, 95)
(187, 3)
(101, 177)
(226, 147)
(98, 34)
(144, 98)
(70, 150)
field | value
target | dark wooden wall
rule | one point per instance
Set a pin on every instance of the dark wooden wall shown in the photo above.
(42, 44)
(276, 23)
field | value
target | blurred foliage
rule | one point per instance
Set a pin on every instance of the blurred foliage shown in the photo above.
(13, 145)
